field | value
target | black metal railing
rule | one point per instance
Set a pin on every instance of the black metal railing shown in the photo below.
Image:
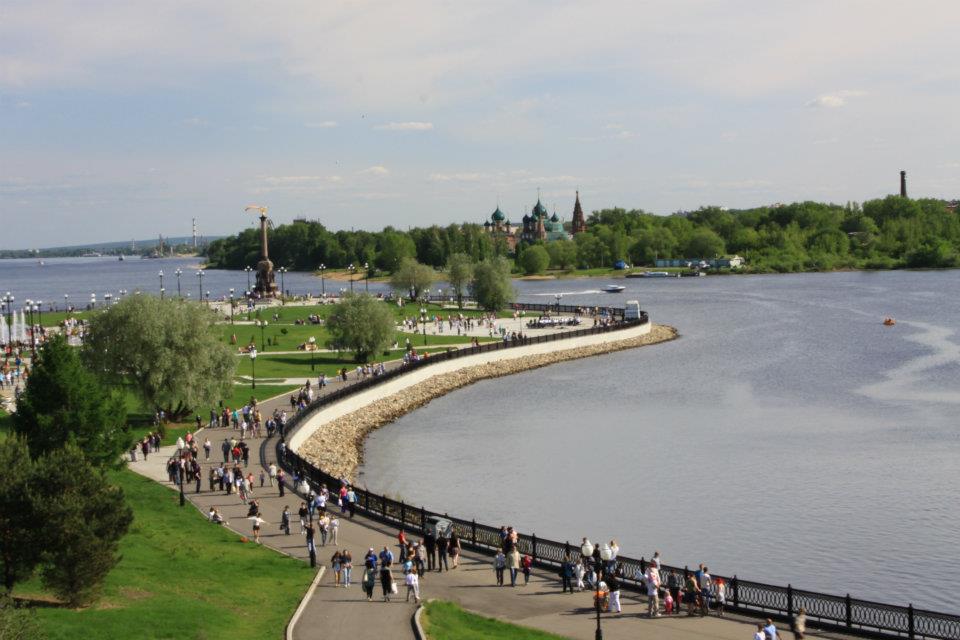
(828, 612)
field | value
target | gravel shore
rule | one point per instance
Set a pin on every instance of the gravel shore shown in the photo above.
(337, 446)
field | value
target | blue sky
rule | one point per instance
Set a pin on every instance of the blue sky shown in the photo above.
(127, 119)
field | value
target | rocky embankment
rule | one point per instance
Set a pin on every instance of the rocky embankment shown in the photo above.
(337, 446)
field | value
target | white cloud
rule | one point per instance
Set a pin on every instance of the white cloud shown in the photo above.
(376, 170)
(405, 126)
(835, 100)
(326, 124)
(460, 177)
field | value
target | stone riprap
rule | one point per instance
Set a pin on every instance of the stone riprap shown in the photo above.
(336, 446)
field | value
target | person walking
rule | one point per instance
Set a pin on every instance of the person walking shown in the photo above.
(369, 581)
(430, 543)
(566, 572)
(499, 564)
(652, 580)
(257, 522)
(346, 562)
(206, 448)
(303, 517)
(690, 592)
(386, 581)
(273, 473)
(706, 591)
(413, 586)
(442, 553)
(334, 528)
(526, 563)
(454, 549)
(336, 563)
(513, 564)
(281, 476)
(285, 520)
(673, 586)
(770, 631)
(613, 587)
(799, 624)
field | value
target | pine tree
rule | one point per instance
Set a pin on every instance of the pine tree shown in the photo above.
(64, 402)
(19, 551)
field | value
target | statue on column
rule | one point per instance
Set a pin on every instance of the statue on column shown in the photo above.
(266, 287)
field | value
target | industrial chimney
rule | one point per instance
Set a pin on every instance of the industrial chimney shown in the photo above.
(903, 184)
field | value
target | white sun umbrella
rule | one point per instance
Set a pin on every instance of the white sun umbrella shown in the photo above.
(4, 330)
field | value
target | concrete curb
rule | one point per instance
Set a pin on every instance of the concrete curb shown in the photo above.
(417, 627)
(303, 603)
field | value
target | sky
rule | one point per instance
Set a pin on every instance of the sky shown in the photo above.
(125, 119)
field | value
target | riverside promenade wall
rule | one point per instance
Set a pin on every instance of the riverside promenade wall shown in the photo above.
(332, 438)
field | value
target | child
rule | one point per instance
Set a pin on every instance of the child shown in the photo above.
(526, 563)
(721, 594)
(668, 603)
(499, 564)
(413, 586)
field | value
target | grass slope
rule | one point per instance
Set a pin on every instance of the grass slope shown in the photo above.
(180, 577)
(447, 621)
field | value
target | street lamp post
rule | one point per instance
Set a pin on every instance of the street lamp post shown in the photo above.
(161, 283)
(248, 269)
(122, 293)
(28, 307)
(200, 286)
(178, 272)
(559, 297)
(283, 291)
(108, 297)
(263, 327)
(605, 555)
(40, 313)
(352, 270)
(366, 277)
(253, 368)
(66, 297)
(208, 298)
(93, 301)
(423, 320)
(231, 306)
(323, 286)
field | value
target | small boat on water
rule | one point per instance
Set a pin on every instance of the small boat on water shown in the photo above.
(121, 258)
(613, 288)
(889, 322)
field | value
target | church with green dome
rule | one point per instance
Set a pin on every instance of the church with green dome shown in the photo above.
(537, 226)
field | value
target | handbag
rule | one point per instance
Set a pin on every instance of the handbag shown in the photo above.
(393, 587)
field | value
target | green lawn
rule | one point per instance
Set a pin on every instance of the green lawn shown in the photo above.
(181, 577)
(297, 365)
(447, 621)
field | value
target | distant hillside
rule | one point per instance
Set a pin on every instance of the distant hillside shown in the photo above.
(179, 244)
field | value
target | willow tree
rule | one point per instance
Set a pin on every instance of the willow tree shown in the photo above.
(491, 285)
(412, 278)
(170, 351)
(362, 324)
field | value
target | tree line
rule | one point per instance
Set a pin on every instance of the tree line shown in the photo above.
(886, 233)
(60, 515)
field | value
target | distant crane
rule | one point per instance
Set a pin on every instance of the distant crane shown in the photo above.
(256, 207)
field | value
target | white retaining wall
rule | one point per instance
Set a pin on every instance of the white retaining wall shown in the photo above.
(398, 384)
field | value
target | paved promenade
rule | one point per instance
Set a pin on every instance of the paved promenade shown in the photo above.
(346, 612)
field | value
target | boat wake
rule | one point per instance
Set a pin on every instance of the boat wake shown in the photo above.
(911, 381)
(554, 294)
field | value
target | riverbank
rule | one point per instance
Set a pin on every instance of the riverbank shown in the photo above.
(336, 446)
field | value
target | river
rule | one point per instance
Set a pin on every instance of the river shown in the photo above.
(787, 436)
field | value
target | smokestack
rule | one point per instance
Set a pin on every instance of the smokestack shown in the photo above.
(903, 184)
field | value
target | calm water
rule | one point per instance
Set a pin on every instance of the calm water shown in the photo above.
(787, 436)
(79, 277)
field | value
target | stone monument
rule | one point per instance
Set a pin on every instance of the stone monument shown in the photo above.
(266, 286)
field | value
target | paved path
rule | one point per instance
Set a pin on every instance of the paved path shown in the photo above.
(346, 612)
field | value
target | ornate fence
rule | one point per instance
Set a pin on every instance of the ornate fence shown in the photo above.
(829, 612)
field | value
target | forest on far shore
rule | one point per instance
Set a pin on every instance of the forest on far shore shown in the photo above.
(888, 233)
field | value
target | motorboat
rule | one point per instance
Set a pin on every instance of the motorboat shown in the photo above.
(889, 322)
(613, 288)
(656, 274)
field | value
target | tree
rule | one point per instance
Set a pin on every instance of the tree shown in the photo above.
(19, 551)
(412, 277)
(394, 248)
(80, 518)
(459, 273)
(361, 324)
(170, 350)
(18, 622)
(563, 254)
(64, 402)
(491, 284)
(534, 259)
(704, 243)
